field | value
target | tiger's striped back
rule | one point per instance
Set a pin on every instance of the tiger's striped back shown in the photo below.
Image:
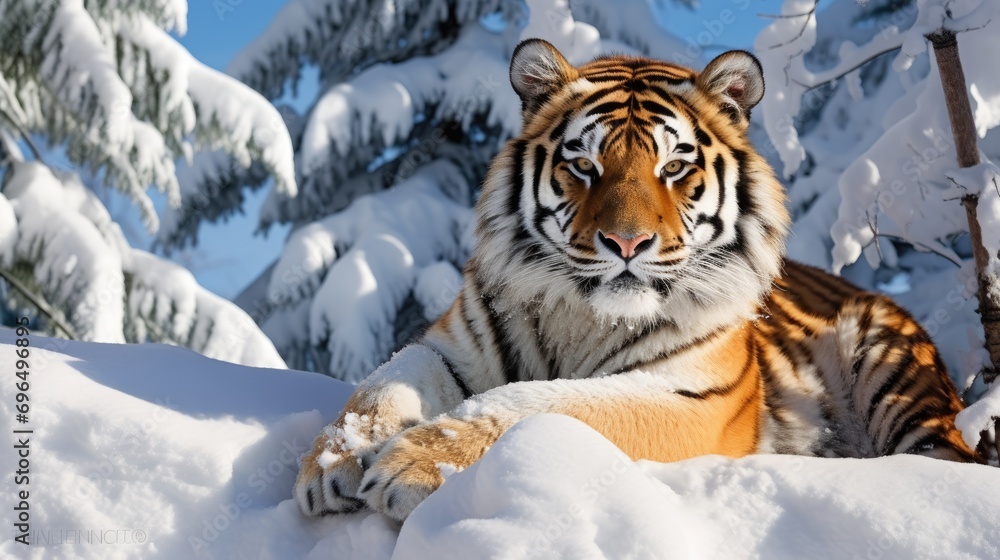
(883, 388)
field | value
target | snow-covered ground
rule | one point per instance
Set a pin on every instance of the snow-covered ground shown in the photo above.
(156, 452)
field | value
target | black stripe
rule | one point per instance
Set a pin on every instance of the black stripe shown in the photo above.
(654, 107)
(530, 252)
(837, 288)
(701, 136)
(723, 390)
(609, 77)
(514, 199)
(607, 107)
(569, 220)
(891, 380)
(798, 354)
(719, 165)
(521, 234)
(663, 94)
(669, 262)
(737, 248)
(919, 415)
(788, 319)
(507, 359)
(476, 338)
(575, 145)
(539, 164)
(743, 200)
(673, 352)
(587, 128)
(698, 191)
(596, 95)
(699, 160)
(661, 77)
(466, 393)
(714, 221)
(640, 137)
(561, 127)
(638, 335)
(906, 382)
(582, 260)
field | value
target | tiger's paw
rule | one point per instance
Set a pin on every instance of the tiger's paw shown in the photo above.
(328, 483)
(416, 462)
(330, 474)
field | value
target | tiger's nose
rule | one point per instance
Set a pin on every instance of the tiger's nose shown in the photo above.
(627, 247)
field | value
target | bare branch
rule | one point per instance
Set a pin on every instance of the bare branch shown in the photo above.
(39, 303)
(808, 15)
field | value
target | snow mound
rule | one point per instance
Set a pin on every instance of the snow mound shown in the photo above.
(552, 487)
(163, 453)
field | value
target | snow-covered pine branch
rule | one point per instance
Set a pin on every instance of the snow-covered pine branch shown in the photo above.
(107, 84)
(354, 271)
(401, 107)
(57, 238)
(125, 99)
(342, 37)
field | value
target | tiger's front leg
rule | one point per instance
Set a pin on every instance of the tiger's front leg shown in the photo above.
(644, 414)
(413, 386)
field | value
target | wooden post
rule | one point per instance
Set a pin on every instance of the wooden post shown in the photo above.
(963, 130)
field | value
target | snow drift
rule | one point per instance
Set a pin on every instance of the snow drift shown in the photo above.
(148, 451)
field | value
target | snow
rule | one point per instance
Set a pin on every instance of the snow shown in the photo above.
(980, 416)
(73, 262)
(110, 85)
(83, 75)
(339, 36)
(436, 288)
(357, 267)
(164, 293)
(378, 106)
(154, 442)
(230, 116)
(8, 231)
(108, 291)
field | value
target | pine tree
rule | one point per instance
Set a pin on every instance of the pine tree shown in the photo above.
(106, 83)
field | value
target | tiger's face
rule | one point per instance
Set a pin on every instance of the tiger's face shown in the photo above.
(633, 182)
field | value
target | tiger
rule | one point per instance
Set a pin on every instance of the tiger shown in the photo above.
(630, 272)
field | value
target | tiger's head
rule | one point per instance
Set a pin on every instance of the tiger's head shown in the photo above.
(633, 188)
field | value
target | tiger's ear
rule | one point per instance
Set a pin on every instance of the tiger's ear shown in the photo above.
(537, 70)
(738, 79)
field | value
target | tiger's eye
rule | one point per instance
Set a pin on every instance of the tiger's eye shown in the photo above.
(673, 167)
(584, 164)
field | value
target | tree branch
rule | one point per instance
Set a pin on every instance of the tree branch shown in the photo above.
(40, 304)
(963, 129)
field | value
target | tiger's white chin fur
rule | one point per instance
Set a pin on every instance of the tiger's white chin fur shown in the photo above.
(635, 303)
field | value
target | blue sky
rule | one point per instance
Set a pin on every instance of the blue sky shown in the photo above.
(230, 256)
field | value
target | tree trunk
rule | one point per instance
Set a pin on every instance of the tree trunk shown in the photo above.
(963, 129)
